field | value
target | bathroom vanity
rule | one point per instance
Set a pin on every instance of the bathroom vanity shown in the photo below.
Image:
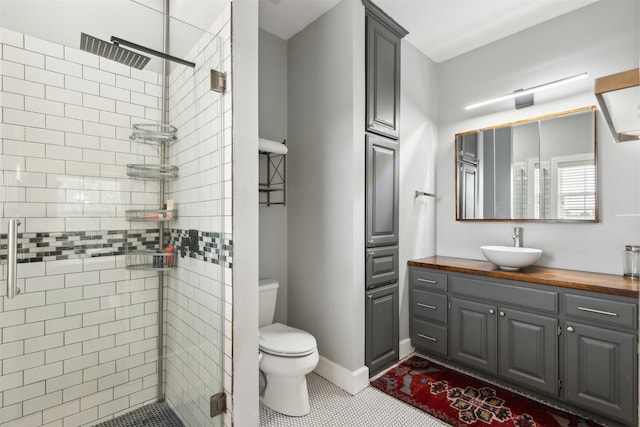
(568, 337)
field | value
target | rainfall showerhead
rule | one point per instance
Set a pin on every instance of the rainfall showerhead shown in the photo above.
(113, 52)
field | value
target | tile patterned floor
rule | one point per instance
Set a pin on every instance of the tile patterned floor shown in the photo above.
(334, 407)
(153, 415)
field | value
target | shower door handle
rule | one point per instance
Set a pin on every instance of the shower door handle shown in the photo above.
(12, 259)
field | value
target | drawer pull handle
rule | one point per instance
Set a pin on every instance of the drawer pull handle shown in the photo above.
(433, 282)
(430, 307)
(426, 337)
(592, 310)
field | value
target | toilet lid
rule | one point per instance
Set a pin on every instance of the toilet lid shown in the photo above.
(283, 340)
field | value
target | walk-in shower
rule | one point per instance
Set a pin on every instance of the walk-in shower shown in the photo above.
(93, 335)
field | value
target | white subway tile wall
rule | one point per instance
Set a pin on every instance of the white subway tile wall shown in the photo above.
(78, 346)
(55, 126)
(198, 321)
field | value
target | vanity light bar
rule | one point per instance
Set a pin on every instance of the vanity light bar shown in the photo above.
(522, 92)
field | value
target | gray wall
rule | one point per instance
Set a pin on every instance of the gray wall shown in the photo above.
(272, 71)
(326, 183)
(565, 136)
(418, 136)
(602, 38)
(417, 160)
(526, 142)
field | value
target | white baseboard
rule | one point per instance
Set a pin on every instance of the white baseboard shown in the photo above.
(352, 382)
(405, 348)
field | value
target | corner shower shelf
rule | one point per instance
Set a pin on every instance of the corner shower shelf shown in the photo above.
(143, 171)
(158, 134)
(151, 215)
(151, 133)
(150, 260)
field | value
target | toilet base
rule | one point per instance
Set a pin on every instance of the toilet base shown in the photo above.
(287, 395)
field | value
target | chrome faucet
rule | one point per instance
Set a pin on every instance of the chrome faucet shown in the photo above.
(517, 237)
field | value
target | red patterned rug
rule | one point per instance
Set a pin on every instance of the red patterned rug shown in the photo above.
(462, 401)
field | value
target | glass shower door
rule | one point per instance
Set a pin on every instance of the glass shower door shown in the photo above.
(79, 344)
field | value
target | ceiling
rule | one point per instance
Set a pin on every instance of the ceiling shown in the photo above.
(441, 29)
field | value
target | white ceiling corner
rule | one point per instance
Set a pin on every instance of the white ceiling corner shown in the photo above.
(441, 29)
(285, 18)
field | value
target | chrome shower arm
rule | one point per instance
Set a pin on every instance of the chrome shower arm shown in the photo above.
(118, 41)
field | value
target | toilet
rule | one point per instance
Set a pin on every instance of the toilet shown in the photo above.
(287, 355)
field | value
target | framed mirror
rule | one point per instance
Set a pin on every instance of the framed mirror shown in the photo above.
(539, 169)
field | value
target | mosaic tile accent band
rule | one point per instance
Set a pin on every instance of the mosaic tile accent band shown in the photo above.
(216, 248)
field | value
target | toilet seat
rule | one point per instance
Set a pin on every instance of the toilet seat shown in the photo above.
(282, 340)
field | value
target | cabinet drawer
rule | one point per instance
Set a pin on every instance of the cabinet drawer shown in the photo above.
(429, 305)
(430, 337)
(523, 296)
(428, 280)
(381, 266)
(606, 311)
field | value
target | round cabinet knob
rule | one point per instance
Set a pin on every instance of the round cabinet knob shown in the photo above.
(491, 311)
(370, 253)
(369, 296)
(502, 314)
(570, 329)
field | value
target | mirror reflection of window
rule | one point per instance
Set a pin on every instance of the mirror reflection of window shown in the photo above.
(575, 189)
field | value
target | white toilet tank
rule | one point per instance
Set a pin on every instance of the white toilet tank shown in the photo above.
(268, 291)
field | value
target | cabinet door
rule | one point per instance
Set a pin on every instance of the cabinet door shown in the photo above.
(381, 328)
(382, 191)
(473, 334)
(528, 350)
(600, 369)
(468, 191)
(468, 147)
(382, 79)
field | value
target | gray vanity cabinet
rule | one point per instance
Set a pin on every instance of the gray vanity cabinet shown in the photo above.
(383, 75)
(428, 310)
(516, 345)
(600, 370)
(600, 337)
(473, 334)
(381, 335)
(528, 350)
(382, 191)
(573, 347)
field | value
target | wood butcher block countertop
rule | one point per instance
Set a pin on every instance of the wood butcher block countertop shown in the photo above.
(594, 282)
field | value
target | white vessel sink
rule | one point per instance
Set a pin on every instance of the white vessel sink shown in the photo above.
(509, 257)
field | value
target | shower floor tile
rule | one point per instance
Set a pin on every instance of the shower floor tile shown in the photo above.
(153, 415)
(334, 407)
